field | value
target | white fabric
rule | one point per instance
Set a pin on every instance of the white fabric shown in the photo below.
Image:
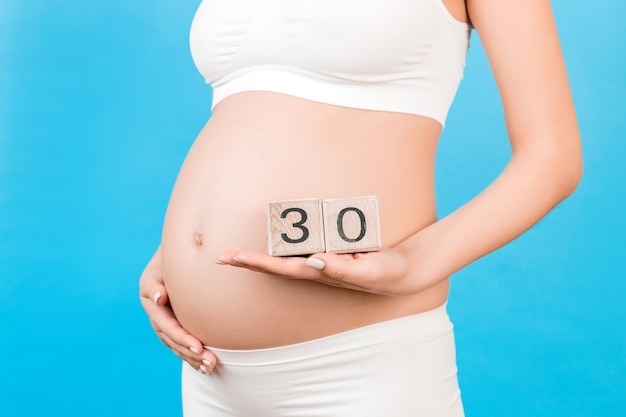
(404, 56)
(402, 368)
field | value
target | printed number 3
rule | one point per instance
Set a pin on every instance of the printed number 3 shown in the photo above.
(298, 225)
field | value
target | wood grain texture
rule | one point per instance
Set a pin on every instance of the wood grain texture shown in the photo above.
(295, 227)
(352, 224)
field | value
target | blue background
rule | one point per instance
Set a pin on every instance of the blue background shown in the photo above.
(99, 102)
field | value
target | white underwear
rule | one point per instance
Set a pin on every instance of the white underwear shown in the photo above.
(404, 367)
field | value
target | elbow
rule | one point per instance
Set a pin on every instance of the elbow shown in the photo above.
(572, 178)
(573, 171)
(558, 168)
(567, 169)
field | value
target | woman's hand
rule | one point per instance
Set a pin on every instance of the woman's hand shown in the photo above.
(385, 272)
(155, 302)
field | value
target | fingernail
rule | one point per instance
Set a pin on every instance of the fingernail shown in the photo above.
(194, 350)
(156, 296)
(239, 261)
(315, 263)
(207, 363)
(220, 262)
(203, 369)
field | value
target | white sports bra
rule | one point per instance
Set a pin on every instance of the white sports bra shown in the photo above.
(402, 56)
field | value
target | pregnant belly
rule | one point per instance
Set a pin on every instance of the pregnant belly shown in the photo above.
(237, 165)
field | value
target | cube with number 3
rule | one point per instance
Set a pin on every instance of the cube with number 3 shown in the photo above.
(295, 227)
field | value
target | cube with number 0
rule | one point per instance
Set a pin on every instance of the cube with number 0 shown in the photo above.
(351, 224)
(295, 227)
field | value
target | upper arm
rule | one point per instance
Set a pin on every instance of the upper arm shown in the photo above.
(523, 49)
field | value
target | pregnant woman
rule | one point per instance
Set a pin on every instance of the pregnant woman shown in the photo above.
(335, 99)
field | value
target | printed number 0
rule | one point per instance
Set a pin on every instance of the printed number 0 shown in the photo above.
(298, 225)
(342, 234)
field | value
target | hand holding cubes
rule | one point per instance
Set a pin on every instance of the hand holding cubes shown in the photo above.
(342, 225)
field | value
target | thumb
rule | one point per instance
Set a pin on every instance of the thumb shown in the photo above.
(359, 266)
(159, 295)
(337, 267)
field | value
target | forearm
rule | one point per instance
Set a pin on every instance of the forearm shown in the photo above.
(530, 186)
(541, 123)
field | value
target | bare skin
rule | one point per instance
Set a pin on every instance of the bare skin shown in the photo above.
(259, 147)
(317, 150)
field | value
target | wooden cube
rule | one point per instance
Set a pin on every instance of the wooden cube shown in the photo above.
(295, 227)
(351, 224)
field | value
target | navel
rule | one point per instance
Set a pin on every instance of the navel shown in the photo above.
(197, 239)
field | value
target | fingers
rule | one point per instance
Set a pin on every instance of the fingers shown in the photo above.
(151, 286)
(286, 267)
(329, 268)
(199, 358)
(348, 271)
(382, 272)
(155, 301)
(292, 267)
(158, 295)
(183, 344)
(361, 272)
(344, 267)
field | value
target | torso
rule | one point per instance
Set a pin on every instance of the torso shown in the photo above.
(259, 147)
